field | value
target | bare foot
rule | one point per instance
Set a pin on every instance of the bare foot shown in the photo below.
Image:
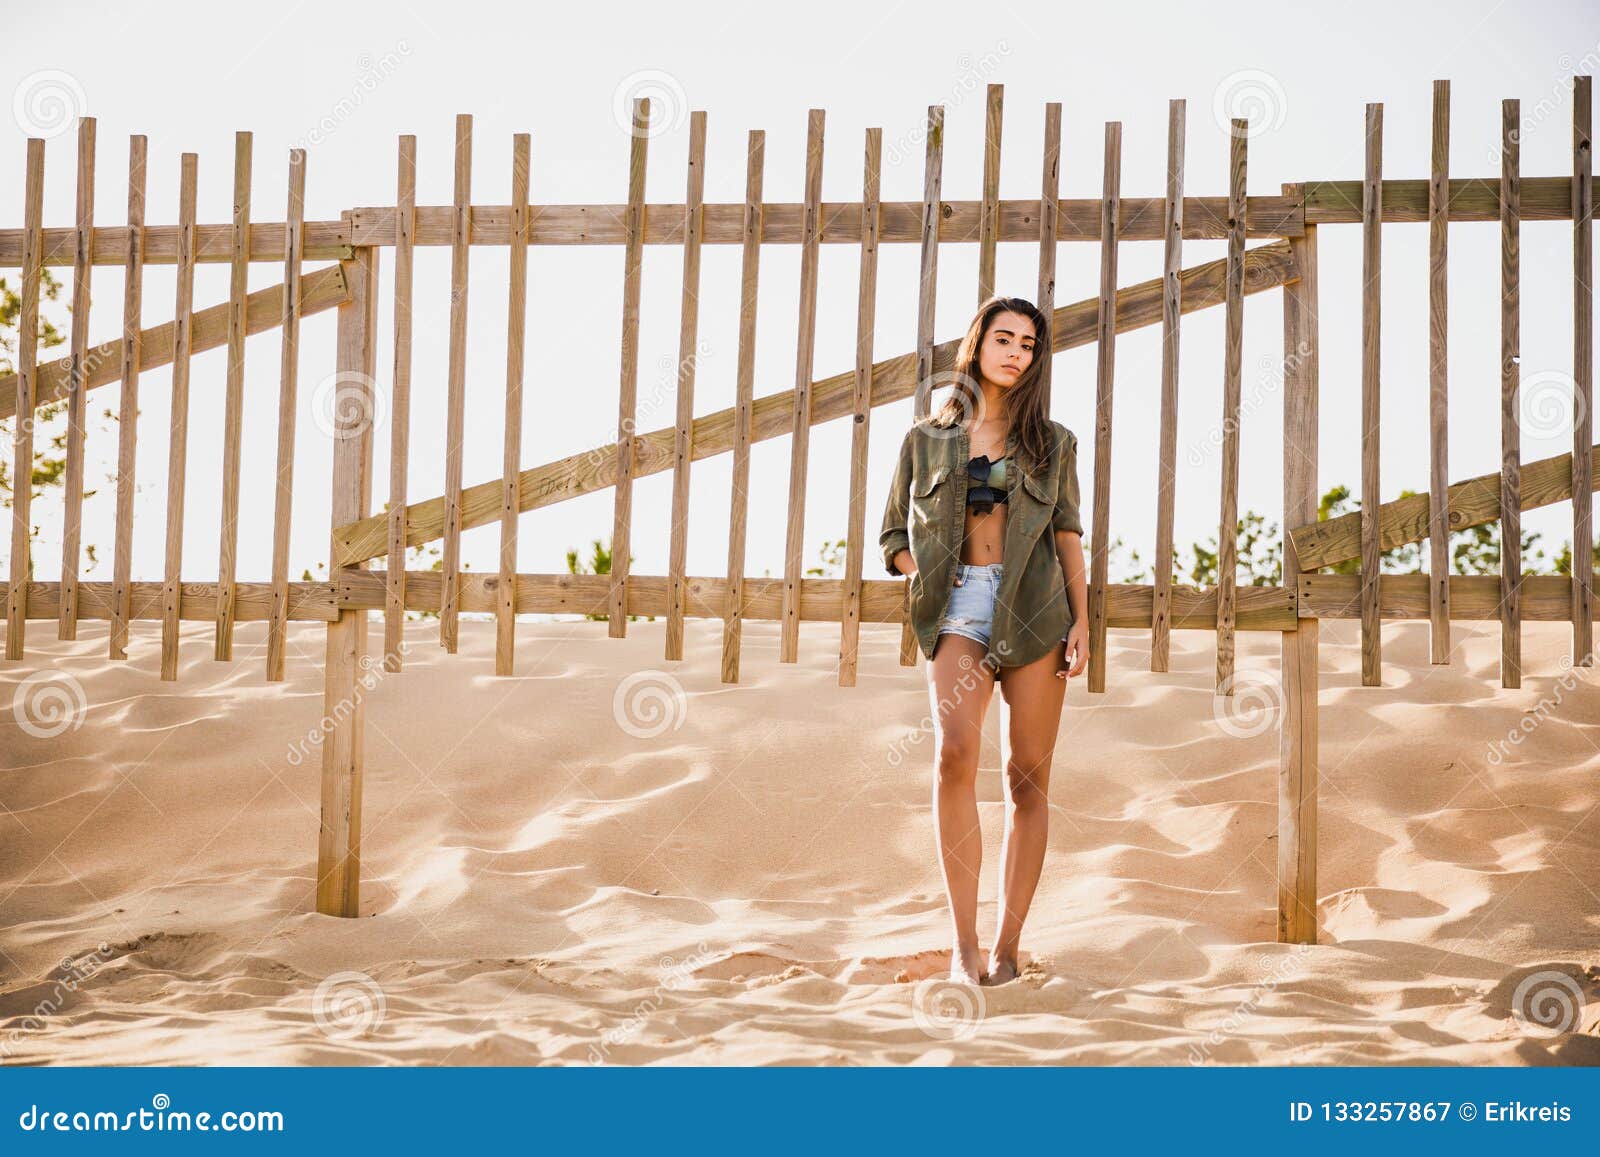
(1001, 970)
(966, 965)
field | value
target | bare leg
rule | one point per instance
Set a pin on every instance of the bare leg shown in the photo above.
(1031, 714)
(960, 687)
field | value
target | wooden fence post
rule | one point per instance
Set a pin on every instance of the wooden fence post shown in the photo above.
(1297, 731)
(344, 716)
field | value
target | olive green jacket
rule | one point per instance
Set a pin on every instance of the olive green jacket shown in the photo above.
(926, 513)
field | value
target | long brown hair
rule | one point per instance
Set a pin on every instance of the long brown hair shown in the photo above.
(1029, 425)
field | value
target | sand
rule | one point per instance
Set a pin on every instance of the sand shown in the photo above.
(580, 864)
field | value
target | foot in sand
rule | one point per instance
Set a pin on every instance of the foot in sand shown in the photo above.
(966, 966)
(1001, 970)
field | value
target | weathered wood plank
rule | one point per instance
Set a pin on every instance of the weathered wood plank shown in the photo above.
(1439, 378)
(1510, 380)
(744, 405)
(72, 482)
(634, 221)
(178, 439)
(288, 381)
(505, 635)
(688, 361)
(21, 572)
(1472, 502)
(1167, 448)
(130, 356)
(1473, 597)
(861, 407)
(1105, 375)
(805, 353)
(456, 383)
(233, 417)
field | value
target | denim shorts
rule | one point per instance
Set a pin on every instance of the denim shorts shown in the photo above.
(969, 611)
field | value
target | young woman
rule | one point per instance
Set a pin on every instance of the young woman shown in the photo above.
(983, 515)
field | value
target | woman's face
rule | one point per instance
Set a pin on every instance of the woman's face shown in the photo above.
(1007, 349)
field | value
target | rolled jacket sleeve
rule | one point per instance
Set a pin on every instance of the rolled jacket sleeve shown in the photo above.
(1067, 516)
(894, 537)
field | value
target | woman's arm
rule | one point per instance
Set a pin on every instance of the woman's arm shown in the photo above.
(1067, 523)
(894, 539)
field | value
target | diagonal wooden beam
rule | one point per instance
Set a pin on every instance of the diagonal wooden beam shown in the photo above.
(1470, 503)
(1265, 267)
(321, 290)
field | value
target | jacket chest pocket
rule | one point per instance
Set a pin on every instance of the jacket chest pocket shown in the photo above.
(1037, 506)
(931, 499)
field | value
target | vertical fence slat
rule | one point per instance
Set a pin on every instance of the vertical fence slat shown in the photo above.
(505, 633)
(628, 389)
(989, 210)
(1049, 226)
(344, 710)
(1582, 373)
(861, 408)
(688, 336)
(805, 351)
(178, 443)
(1171, 319)
(1439, 379)
(288, 385)
(456, 400)
(1105, 371)
(394, 579)
(1371, 267)
(128, 403)
(233, 419)
(1510, 375)
(1232, 373)
(82, 263)
(738, 515)
(27, 393)
(927, 286)
(1298, 734)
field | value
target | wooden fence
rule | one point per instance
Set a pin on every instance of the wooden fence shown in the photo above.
(347, 251)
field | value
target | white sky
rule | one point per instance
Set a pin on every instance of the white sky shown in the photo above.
(190, 75)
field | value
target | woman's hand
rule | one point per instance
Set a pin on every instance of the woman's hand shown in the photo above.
(904, 563)
(1075, 649)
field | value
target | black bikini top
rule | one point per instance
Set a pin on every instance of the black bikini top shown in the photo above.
(996, 486)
